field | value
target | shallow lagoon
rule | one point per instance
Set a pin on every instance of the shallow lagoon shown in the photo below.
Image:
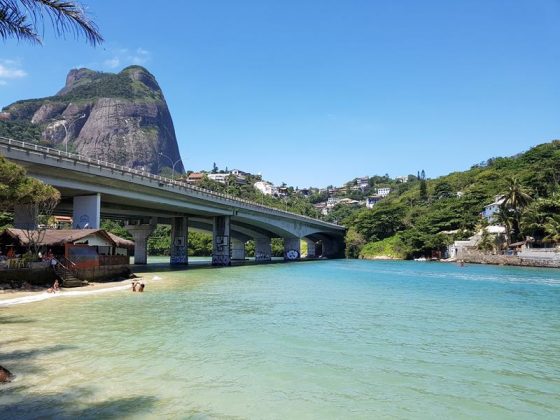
(325, 339)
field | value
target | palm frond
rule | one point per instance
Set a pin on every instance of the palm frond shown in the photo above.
(13, 23)
(65, 17)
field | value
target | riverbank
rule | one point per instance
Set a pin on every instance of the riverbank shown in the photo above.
(380, 257)
(10, 297)
(510, 260)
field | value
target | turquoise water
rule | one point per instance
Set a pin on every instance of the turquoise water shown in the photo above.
(326, 339)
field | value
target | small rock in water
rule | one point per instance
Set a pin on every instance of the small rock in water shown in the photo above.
(5, 375)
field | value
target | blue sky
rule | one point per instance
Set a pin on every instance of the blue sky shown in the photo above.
(319, 92)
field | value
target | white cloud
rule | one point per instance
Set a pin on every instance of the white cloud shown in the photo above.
(142, 56)
(124, 57)
(112, 62)
(10, 69)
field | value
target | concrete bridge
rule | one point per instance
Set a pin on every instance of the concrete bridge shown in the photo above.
(92, 189)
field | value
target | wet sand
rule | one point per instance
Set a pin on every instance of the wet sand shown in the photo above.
(11, 297)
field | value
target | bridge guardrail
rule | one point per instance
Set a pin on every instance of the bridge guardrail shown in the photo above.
(168, 181)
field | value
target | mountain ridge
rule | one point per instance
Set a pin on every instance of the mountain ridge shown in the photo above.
(118, 117)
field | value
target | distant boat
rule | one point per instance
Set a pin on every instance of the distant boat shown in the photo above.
(420, 259)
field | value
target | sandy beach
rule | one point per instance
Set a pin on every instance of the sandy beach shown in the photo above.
(10, 297)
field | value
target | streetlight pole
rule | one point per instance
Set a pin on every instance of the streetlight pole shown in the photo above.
(66, 131)
(172, 163)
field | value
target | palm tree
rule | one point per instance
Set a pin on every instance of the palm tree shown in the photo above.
(516, 199)
(505, 217)
(23, 19)
(517, 196)
(552, 228)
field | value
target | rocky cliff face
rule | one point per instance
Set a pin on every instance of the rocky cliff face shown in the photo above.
(121, 118)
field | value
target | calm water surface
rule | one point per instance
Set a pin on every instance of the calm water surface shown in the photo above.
(327, 339)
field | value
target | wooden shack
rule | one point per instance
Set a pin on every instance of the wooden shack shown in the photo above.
(92, 254)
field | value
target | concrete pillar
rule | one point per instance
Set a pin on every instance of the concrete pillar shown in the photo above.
(87, 212)
(311, 252)
(25, 217)
(179, 241)
(263, 249)
(140, 233)
(292, 250)
(333, 247)
(221, 241)
(237, 249)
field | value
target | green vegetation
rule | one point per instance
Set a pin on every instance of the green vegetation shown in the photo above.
(116, 228)
(38, 201)
(427, 215)
(391, 247)
(16, 188)
(199, 243)
(21, 130)
(292, 201)
(159, 242)
(109, 85)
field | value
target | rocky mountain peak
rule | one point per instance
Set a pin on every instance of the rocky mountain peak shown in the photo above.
(117, 117)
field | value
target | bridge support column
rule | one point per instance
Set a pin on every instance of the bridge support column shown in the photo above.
(140, 234)
(25, 217)
(333, 248)
(179, 241)
(87, 212)
(263, 249)
(292, 250)
(311, 250)
(221, 241)
(237, 249)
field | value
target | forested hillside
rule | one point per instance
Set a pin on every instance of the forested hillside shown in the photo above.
(418, 219)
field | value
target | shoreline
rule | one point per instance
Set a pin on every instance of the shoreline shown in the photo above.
(20, 297)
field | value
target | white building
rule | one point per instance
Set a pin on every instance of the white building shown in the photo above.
(218, 177)
(402, 179)
(322, 207)
(265, 187)
(491, 209)
(239, 172)
(383, 192)
(373, 200)
(458, 246)
(222, 178)
(332, 201)
(363, 182)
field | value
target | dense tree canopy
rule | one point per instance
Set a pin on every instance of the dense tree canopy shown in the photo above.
(17, 188)
(429, 214)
